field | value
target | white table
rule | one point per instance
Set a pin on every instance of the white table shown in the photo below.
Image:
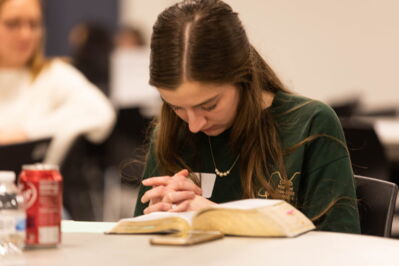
(85, 244)
(388, 131)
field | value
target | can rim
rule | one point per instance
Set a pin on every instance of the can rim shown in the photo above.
(40, 166)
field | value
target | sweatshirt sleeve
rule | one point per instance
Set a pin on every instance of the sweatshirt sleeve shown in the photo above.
(75, 107)
(328, 191)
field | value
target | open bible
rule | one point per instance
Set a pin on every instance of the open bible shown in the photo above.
(249, 217)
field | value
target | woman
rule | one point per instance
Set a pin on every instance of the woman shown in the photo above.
(40, 97)
(227, 117)
(129, 37)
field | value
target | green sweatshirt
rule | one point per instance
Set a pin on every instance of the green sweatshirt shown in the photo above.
(320, 170)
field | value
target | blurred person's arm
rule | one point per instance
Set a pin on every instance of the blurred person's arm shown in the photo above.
(12, 135)
(74, 107)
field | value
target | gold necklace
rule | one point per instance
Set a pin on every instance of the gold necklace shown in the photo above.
(220, 173)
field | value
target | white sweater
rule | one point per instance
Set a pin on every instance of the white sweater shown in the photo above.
(60, 103)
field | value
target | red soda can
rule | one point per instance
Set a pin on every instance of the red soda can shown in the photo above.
(42, 190)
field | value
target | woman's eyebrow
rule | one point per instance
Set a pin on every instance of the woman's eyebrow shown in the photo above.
(197, 105)
(207, 101)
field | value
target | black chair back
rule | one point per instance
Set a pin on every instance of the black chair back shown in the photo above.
(347, 108)
(83, 179)
(126, 142)
(376, 202)
(366, 150)
(13, 156)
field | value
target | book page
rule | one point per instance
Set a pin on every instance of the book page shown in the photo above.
(253, 217)
(248, 204)
(160, 215)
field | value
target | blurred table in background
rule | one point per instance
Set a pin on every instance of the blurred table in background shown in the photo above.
(388, 131)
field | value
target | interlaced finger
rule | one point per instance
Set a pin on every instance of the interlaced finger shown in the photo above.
(181, 207)
(164, 180)
(178, 196)
(154, 193)
(158, 207)
(156, 181)
(185, 184)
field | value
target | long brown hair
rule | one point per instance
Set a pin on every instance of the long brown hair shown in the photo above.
(204, 41)
(37, 61)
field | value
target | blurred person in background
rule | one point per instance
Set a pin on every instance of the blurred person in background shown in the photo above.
(40, 97)
(129, 37)
(92, 45)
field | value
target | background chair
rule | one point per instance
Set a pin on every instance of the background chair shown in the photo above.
(127, 138)
(346, 108)
(376, 202)
(13, 156)
(125, 155)
(83, 179)
(366, 150)
(93, 185)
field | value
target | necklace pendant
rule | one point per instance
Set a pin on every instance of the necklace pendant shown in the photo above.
(221, 174)
(218, 172)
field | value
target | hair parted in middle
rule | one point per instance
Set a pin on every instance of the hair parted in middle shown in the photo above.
(204, 41)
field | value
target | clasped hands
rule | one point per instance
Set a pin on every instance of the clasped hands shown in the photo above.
(176, 193)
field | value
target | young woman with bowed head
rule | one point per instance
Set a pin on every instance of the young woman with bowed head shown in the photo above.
(229, 129)
(41, 97)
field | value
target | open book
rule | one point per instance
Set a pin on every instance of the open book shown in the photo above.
(249, 217)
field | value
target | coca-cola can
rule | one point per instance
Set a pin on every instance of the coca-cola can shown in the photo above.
(42, 189)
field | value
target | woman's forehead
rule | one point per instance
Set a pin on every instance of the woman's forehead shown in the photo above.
(190, 94)
(18, 8)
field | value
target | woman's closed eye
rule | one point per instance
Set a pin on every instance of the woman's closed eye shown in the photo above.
(14, 24)
(209, 108)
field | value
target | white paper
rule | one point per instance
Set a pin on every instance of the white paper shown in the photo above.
(159, 215)
(207, 183)
(248, 204)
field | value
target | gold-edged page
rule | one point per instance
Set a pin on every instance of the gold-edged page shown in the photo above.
(254, 217)
(153, 223)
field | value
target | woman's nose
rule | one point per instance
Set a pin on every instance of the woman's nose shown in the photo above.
(26, 32)
(196, 122)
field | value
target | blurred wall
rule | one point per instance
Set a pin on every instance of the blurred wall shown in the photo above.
(327, 50)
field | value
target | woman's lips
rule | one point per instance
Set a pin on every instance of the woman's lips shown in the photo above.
(209, 129)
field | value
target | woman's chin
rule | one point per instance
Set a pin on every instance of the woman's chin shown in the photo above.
(18, 61)
(213, 131)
